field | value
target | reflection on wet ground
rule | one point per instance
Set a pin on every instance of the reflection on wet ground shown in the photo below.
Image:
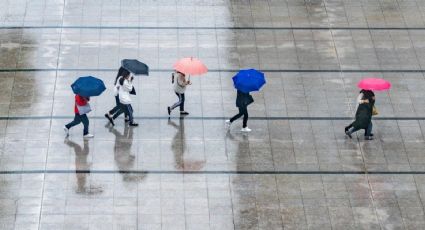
(296, 170)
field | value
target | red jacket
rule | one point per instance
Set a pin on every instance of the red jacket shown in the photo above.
(80, 101)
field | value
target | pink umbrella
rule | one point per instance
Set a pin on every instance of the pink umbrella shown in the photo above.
(190, 66)
(374, 84)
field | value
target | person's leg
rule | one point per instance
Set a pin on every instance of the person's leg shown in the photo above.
(245, 117)
(119, 112)
(353, 130)
(117, 106)
(182, 102)
(349, 132)
(368, 131)
(177, 103)
(75, 122)
(85, 121)
(130, 115)
(237, 116)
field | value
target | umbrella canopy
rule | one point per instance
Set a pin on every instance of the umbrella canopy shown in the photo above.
(190, 66)
(249, 80)
(135, 66)
(88, 86)
(374, 84)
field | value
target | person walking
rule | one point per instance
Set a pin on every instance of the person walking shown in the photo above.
(81, 108)
(363, 119)
(180, 83)
(242, 102)
(117, 111)
(368, 97)
(125, 87)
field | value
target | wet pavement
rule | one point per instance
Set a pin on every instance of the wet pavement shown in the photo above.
(295, 170)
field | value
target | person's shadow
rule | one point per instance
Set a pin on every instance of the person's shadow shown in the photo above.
(124, 159)
(178, 146)
(82, 168)
(241, 153)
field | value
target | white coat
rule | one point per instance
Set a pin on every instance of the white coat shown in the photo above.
(124, 92)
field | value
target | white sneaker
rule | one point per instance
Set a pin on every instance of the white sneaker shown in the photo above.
(246, 129)
(66, 130)
(227, 123)
(88, 135)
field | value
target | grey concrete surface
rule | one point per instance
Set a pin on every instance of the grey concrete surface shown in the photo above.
(295, 170)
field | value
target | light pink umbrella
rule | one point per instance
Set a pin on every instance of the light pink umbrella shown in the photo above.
(190, 66)
(374, 84)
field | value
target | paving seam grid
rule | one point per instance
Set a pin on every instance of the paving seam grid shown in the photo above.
(217, 118)
(173, 172)
(207, 28)
(5, 70)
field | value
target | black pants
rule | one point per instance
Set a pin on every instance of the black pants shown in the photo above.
(118, 109)
(243, 111)
(180, 102)
(367, 131)
(77, 120)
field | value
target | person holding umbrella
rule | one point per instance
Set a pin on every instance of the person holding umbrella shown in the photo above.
(242, 102)
(81, 108)
(84, 88)
(363, 119)
(126, 86)
(127, 66)
(245, 81)
(183, 67)
(117, 110)
(366, 106)
(365, 96)
(180, 83)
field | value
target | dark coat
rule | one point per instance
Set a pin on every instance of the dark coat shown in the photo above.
(243, 99)
(363, 116)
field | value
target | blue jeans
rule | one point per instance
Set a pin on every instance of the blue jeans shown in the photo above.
(77, 120)
(128, 110)
(180, 102)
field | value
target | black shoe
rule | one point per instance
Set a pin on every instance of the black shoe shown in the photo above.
(110, 119)
(348, 134)
(346, 129)
(368, 138)
(126, 119)
(133, 124)
(184, 113)
(169, 110)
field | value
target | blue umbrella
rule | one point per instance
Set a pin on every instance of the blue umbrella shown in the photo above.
(88, 86)
(248, 80)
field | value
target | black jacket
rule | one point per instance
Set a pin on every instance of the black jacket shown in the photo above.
(363, 116)
(243, 99)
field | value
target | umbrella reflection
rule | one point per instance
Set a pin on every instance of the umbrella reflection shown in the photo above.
(178, 146)
(123, 157)
(81, 164)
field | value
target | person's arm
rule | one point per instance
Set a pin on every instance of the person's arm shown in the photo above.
(182, 80)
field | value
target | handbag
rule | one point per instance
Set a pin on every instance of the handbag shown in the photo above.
(374, 111)
(250, 99)
(84, 109)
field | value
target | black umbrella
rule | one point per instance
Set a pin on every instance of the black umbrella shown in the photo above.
(135, 66)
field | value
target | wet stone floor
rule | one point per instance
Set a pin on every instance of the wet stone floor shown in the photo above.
(295, 170)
